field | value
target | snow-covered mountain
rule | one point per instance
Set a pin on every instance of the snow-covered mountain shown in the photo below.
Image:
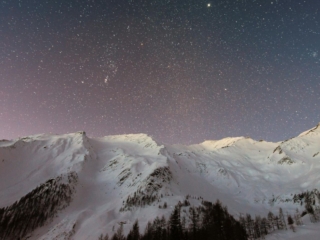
(88, 186)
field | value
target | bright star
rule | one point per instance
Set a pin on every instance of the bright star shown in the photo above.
(209, 5)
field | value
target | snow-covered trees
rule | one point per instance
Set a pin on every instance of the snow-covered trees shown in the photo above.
(38, 206)
(212, 221)
(297, 217)
(209, 221)
(259, 227)
(148, 192)
(291, 223)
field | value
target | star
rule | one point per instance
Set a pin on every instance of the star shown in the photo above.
(129, 65)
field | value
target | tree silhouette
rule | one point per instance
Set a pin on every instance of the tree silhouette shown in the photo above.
(134, 233)
(175, 224)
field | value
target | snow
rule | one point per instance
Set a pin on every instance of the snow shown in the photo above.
(316, 129)
(308, 231)
(213, 145)
(243, 173)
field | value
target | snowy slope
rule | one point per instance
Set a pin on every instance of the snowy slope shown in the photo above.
(29, 161)
(127, 177)
(308, 231)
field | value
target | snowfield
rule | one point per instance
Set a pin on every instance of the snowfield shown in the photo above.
(310, 231)
(127, 177)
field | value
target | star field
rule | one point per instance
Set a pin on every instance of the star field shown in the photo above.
(180, 71)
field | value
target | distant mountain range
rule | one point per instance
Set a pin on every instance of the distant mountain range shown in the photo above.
(81, 187)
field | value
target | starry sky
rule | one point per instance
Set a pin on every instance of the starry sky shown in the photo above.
(181, 71)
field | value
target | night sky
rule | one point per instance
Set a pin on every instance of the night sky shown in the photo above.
(180, 71)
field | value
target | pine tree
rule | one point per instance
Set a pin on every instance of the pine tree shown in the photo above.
(277, 222)
(264, 226)
(249, 226)
(175, 224)
(157, 229)
(163, 224)
(257, 224)
(148, 232)
(119, 234)
(194, 225)
(291, 223)
(271, 223)
(165, 205)
(229, 229)
(282, 220)
(297, 217)
(308, 206)
(317, 213)
(134, 233)
(218, 215)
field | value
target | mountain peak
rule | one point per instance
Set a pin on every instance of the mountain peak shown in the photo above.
(216, 144)
(134, 138)
(315, 129)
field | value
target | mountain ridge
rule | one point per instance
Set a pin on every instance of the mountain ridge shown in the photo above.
(121, 178)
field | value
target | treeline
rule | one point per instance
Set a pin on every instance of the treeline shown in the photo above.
(35, 208)
(258, 227)
(311, 200)
(138, 199)
(211, 221)
(208, 221)
(307, 197)
(148, 192)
